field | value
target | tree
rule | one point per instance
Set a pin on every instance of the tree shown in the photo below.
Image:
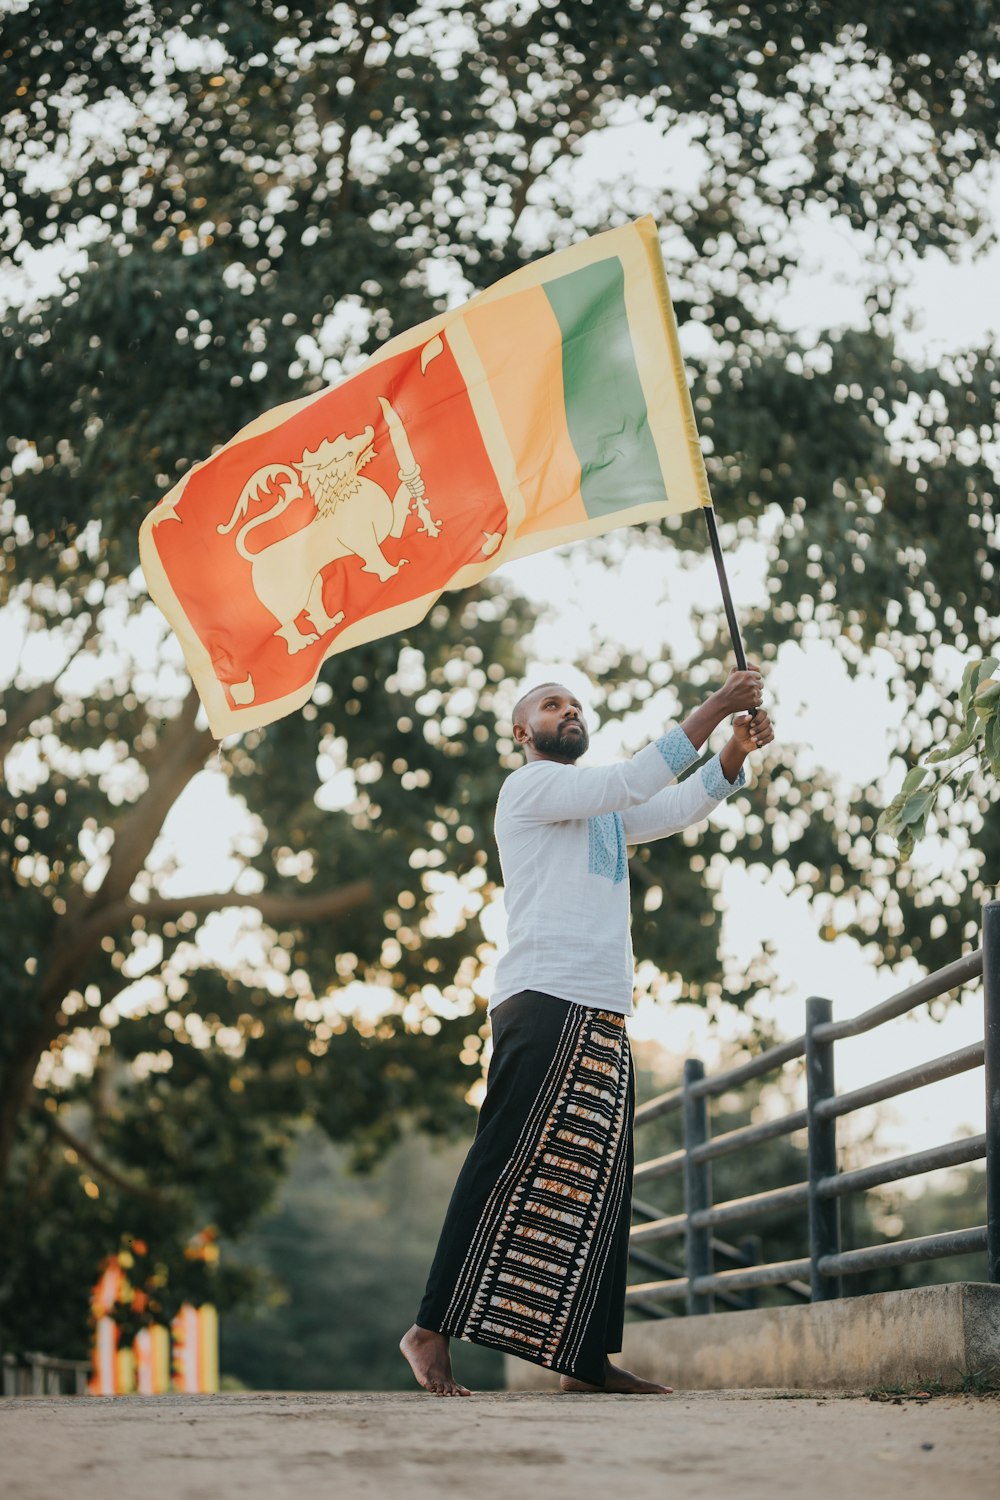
(243, 202)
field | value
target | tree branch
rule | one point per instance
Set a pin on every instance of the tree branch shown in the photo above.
(178, 756)
(358, 70)
(38, 700)
(579, 117)
(90, 1016)
(281, 910)
(102, 1168)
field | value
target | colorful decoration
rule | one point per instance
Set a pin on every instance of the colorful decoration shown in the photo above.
(196, 1348)
(151, 1348)
(132, 1349)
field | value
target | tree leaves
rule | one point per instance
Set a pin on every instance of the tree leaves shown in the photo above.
(907, 815)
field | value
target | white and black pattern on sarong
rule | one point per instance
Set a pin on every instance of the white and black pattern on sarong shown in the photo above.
(533, 1254)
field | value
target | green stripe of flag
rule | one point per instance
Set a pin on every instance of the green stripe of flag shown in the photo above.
(605, 405)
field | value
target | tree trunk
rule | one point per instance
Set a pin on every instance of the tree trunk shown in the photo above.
(176, 759)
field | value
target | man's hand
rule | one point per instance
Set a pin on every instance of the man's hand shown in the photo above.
(742, 690)
(752, 734)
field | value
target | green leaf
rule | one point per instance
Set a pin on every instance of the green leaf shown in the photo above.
(972, 677)
(915, 778)
(966, 739)
(918, 807)
(986, 699)
(889, 818)
(993, 744)
(968, 685)
(905, 842)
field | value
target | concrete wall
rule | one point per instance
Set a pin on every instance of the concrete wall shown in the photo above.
(938, 1335)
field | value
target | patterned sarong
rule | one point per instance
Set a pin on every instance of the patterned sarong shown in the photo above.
(533, 1254)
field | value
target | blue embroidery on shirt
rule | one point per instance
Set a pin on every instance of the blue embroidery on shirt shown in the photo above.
(714, 779)
(607, 846)
(677, 750)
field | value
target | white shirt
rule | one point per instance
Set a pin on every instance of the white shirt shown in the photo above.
(562, 832)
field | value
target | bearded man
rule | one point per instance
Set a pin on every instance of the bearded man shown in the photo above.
(533, 1254)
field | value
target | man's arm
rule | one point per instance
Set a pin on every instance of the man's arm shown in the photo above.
(677, 807)
(548, 792)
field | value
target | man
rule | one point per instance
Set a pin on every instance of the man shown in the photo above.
(534, 1250)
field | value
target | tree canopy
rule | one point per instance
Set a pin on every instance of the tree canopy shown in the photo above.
(210, 208)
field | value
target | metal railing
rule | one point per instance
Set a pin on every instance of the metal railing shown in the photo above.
(818, 1275)
(43, 1375)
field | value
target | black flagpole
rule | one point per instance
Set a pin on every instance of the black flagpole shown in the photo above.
(727, 598)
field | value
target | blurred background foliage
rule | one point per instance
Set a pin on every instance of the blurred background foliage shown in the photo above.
(208, 208)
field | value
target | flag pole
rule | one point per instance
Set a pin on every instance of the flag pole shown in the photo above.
(727, 598)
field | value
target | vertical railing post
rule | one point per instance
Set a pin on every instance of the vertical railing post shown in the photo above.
(991, 1007)
(697, 1188)
(752, 1247)
(824, 1213)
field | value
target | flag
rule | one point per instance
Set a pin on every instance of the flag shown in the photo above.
(549, 407)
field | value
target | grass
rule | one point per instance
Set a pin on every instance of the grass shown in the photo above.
(974, 1383)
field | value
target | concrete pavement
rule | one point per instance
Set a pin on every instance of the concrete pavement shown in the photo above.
(499, 1445)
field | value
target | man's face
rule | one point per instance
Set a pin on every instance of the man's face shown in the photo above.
(554, 725)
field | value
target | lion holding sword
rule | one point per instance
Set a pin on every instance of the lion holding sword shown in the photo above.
(354, 516)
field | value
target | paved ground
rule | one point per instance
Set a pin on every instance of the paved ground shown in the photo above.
(500, 1446)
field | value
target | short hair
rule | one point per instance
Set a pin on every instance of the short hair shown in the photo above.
(517, 717)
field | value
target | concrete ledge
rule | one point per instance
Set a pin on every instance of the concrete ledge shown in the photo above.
(935, 1335)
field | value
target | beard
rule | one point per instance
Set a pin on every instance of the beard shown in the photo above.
(570, 746)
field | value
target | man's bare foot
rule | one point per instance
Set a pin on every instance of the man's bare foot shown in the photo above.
(429, 1357)
(616, 1381)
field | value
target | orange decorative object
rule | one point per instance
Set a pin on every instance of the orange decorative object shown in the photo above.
(208, 1348)
(121, 1367)
(196, 1349)
(151, 1348)
(104, 1380)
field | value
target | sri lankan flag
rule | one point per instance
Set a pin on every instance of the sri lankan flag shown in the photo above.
(550, 407)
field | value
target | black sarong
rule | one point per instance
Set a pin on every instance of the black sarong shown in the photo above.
(533, 1254)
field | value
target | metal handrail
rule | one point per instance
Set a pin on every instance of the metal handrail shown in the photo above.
(931, 987)
(779, 1273)
(37, 1374)
(827, 1263)
(902, 1252)
(748, 1255)
(721, 1083)
(662, 1105)
(722, 1145)
(902, 1083)
(954, 1154)
(751, 1135)
(660, 1166)
(753, 1206)
(659, 1229)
